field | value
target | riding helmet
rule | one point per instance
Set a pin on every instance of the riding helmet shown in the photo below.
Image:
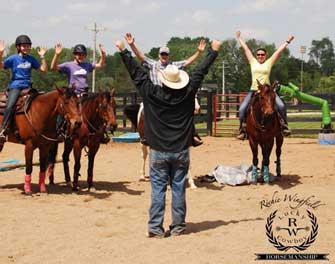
(22, 39)
(80, 48)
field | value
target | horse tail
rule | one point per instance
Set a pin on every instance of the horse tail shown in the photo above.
(131, 112)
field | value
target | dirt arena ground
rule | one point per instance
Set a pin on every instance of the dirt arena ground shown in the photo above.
(225, 224)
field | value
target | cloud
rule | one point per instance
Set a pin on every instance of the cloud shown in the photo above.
(146, 8)
(14, 6)
(201, 16)
(261, 5)
(192, 24)
(58, 20)
(116, 24)
(88, 7)
(255, 33)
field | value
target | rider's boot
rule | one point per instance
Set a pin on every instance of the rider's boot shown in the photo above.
(196, 141)
(286, 130)
(2, 138)
(242, 132)
(105, 139)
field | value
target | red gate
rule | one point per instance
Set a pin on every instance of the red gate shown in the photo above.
(226, 108)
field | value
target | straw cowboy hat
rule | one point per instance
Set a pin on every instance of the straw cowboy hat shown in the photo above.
(172, 77)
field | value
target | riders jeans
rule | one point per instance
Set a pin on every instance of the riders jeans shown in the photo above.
(244, 106)
(13, 95)
(165, 168)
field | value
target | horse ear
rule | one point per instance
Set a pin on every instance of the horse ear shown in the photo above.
(258, 83)
(112, 92)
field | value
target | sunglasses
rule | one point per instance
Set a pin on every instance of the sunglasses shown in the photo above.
(164, 54)
(260, 54)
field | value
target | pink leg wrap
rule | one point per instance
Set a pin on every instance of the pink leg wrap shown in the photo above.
(42, 182)
(27, 184)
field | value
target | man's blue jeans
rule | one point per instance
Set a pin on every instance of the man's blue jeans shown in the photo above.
(167, 167)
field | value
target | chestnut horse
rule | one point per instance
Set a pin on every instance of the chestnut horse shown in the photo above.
(99, 115)
(37, 128)
(263, 125)
(136, 115)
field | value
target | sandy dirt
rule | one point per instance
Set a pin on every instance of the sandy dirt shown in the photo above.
(225, 224)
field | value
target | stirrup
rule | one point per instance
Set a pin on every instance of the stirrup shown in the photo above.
(105, 139)
(242, 135)
(3, 137)
(144, 141)
(286, 130)
(60, 137)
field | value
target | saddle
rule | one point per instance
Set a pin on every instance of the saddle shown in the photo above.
(23, 102)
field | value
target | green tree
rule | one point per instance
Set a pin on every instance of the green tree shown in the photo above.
(322, 53)
(326, 85)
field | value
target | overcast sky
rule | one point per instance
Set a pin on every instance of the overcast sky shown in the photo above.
(153, 23)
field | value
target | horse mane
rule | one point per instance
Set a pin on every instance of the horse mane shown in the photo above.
(131, 112)
(92, 96)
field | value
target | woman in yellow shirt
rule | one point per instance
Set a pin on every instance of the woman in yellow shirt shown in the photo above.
(261, 70)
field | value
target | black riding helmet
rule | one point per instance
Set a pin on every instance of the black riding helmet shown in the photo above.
(22, 39)
(79, 48)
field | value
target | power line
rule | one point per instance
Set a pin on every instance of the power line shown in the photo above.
(95, 31)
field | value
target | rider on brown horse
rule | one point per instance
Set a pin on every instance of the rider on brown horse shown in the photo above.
(21, 65)
(260, 70)
(77, 73)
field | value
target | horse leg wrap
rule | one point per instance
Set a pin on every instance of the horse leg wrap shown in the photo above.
(27, 184)
(266, 174)
(41, 182)
(254, 174)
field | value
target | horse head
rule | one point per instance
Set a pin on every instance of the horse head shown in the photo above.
(68, 106)
(267, 98)
(107, 110)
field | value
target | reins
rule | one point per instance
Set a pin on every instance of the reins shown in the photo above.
(34, 129)
(87, 121)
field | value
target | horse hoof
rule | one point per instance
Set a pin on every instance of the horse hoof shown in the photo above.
(68, 184)
(92, 189)
(28, 193)
(266, 179)
(75, 188)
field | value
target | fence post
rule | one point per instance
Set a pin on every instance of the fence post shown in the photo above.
(124, 102)
(210, 94)
(238, 105)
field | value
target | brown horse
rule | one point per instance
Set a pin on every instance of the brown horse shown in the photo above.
(98, 115)
(136, 115)
(37, 128)
(263, 125)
